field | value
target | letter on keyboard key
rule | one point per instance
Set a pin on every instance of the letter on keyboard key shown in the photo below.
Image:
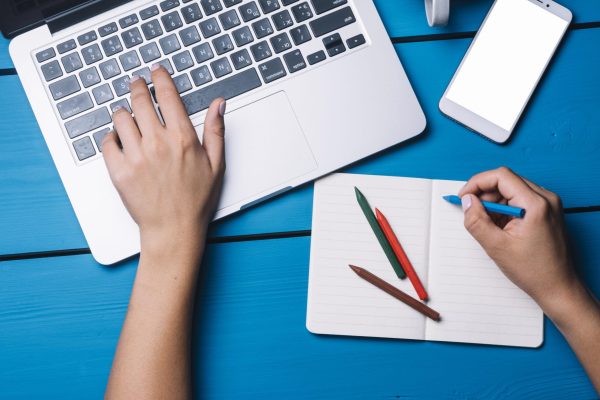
(149, 52)
(102, 94)
(322, 6)
(84, 148)
(87, 122)
(272, 70)
(75, 105)
(269, 5)
(331, 22)
(64, 87)
(89, 77)
(202, 52)
(227, 88)
(129, 60)
(121, 85)
(201, 75)
(221, 67)
(169, 44)
(229, 19)
(249, 11)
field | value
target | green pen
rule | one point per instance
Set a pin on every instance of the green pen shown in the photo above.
(387, 249)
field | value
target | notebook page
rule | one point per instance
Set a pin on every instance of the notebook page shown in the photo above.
(339, 301)
(478, 304)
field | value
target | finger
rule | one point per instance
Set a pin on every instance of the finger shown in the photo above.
(503, 180)
(479, 224)
(214, 134)
(169, 101)
(143, 108)
(127, 130)
(494, 197)
(113, 156)
(550, 197)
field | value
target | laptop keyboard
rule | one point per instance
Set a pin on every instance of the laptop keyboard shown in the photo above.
(212, 48)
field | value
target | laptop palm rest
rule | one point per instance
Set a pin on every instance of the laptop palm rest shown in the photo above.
(264, 148)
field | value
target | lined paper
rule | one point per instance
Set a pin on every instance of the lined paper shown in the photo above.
(477, 302)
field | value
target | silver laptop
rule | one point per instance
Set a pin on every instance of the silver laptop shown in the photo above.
(312, 85)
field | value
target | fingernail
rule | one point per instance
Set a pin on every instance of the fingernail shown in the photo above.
(117, 108)
(133, 79)
(155, 66)
(466, 202)
(222, 108)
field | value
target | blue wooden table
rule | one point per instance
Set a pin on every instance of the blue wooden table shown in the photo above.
(61, 313)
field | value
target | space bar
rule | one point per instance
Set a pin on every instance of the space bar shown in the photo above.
(227, 88)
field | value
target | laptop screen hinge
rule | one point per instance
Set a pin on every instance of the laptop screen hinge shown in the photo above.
(80, 13)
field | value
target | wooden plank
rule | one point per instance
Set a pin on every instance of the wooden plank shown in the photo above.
(61, 318)
(557, 145)
(407, 18)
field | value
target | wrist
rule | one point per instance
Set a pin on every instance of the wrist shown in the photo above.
(568, 304)
(173, 245)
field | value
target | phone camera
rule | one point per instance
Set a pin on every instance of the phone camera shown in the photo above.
(547, 5)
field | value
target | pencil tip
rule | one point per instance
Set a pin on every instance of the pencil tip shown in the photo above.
(447, 198)
(354, 267)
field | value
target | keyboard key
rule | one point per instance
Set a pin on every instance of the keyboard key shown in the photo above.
(66, 46)
(316, 57)
(129, 60)
(91, 54)
(51, 70)
(149, 52)
(249, 11)
(272, 70)
(132, 37)
(182, 83)
(87, 122)
(332, 22)
(45, 55)
(128, 21)
(228, 88)
(183, 61)
(202, 53)
(322, 6)
(302, 12)
(169, 44)
(221, 67)
(109, 68)
(108, 29)
(269, 5)
(282, 20)
(99, 136)
(84, 148)
(229, 19)
(241, 59)
(152, 29)
(211, 6)
(167, 65)
(281, 42)
(123, 103)
(71, 62)
(355, 41)
(300, 34)
(148, 12)
(65, 87)
(87, 38)
(230, 3)
(144, 73)
(168, 4)
(201, 75)
(89, 77)
(191, 13)
(334, 44)
(262, 28)
(102, 94)
(75, 105)
(210, 27)
(171, 21)
(222, 44)
(112, 46)
(294, 61)
(260, 51)
(242, 36)
(189, 35)
(288, 2)
(121, 85)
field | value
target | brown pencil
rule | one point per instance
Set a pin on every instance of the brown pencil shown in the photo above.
(397, 293)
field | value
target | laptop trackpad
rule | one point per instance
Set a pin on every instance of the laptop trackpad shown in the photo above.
(264, 148)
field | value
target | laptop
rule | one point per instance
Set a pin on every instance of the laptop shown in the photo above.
(312, 86)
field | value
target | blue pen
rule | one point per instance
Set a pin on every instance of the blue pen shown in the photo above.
(492, 207)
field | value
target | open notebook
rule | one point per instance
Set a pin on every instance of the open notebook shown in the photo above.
(478, 304)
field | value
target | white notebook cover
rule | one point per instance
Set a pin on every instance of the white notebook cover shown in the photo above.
(478, 304)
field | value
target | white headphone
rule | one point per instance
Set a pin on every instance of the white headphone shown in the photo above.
(438, 12)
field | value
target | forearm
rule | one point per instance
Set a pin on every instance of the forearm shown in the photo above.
(577, 315)
(153, 356)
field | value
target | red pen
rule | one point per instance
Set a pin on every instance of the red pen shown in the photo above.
(401, 255)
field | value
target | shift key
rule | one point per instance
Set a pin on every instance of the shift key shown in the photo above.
(88, 122)
(333, 21)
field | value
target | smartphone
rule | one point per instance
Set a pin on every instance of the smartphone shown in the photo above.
(504, 64)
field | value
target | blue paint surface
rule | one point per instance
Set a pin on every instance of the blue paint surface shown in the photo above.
(61, 318)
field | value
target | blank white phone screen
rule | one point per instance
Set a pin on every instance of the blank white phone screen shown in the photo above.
(506, 61)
